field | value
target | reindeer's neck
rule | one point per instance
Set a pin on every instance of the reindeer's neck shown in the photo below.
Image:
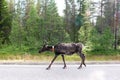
(52, 49)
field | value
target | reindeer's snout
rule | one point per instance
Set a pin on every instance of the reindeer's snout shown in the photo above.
(42, 49)
(39, 51)
(46, 48)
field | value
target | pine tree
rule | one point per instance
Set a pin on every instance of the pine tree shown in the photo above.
(38, 6)
(74, 17)
(17, 33)
(52, 22)
(32, 27)
(5, 22)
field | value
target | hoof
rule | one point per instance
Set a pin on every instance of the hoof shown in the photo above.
(64, 67)
(48, 68)
(84, 64)
(79, 67)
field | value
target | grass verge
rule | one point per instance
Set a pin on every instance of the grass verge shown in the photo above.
(49, 57)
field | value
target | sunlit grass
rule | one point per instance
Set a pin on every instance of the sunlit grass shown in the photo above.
(47, 57)
(14, 53)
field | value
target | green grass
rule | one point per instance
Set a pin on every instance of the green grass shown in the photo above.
(104, 52)
(26, 53)
(49, 57)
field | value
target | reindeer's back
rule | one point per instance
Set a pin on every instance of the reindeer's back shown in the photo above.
(67, 48)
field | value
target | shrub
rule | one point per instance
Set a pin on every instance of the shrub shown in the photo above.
(101, 41)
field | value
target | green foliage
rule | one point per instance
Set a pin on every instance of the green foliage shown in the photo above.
(5, 22)
(101, 42)
(119, 37)
(37, 30)
(30, 28)
(84, 32)
(79, 21)
(75, 17)
(52, 25)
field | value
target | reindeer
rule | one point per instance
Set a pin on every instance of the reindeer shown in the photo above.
(65, 49)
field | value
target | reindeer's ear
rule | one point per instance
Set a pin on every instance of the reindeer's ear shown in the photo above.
(50, 47)
(46, 46)
(43, 45)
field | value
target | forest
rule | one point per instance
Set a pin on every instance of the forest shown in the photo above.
(27, 25)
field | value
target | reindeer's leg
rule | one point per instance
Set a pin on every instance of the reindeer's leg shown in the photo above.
(63, 61)
(83, 60)
(52, 62)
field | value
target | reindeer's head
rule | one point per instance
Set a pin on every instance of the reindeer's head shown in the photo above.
(45, 48)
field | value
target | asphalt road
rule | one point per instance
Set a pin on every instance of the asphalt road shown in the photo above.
(39, 72)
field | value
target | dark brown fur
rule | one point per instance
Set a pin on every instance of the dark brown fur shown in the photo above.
(65, 49)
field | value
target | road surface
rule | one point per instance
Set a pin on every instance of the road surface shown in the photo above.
(39, 72)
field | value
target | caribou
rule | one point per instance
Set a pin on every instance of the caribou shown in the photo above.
(65, 49)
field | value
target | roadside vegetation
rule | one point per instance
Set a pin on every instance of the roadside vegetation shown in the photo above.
(16, 54)
(27, 25)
